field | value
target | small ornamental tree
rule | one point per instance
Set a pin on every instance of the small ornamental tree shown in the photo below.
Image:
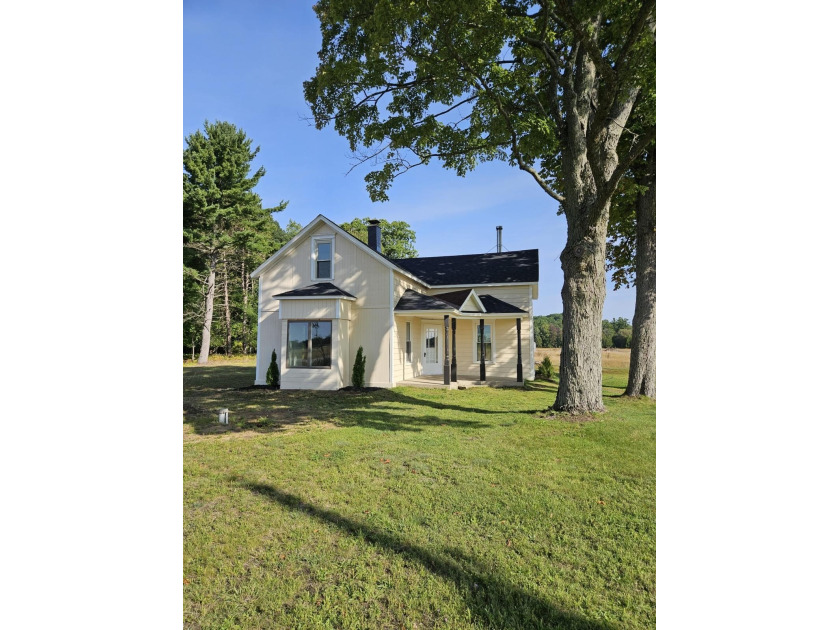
(545, 370)
(272, 376)
(359, 369)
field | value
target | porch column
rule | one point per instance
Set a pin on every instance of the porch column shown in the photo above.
(519, 350)
(454, 361)
(446, 367)
(482, 372)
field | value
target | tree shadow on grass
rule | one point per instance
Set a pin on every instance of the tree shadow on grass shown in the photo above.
(498, 603)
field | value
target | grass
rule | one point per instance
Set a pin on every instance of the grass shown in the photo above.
(415, 508)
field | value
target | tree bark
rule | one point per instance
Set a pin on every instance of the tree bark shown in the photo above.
(204, 353)
(584, 290)
(245, 281)
(588, 169)
(642, 379)
(228, 333)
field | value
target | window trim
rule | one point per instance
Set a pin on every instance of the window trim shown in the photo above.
(476, 355)
(315, 241)
(308, 344)
(408, 342)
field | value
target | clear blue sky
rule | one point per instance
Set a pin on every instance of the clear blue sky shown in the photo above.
(245, 62)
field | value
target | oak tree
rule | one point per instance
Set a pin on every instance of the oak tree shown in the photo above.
(547, 86)
(398, 239)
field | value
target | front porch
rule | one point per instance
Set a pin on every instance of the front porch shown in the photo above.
(447, 352)
(436, 381)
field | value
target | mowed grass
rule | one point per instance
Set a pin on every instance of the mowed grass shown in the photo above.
(415, 508)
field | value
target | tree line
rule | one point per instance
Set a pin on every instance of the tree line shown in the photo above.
(615, 333)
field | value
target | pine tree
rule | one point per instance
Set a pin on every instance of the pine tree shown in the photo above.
(359, 369)
(272, 376)
(222, 214)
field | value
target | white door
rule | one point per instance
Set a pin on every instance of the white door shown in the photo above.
(432, 351)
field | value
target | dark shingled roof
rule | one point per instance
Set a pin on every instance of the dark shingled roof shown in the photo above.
(495, 305)
(455, 298)
(413, 301)
(321, 289)
(495, 268)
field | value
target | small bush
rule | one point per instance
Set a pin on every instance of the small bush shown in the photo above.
(359, 369)
(545, 370)
(272, 377)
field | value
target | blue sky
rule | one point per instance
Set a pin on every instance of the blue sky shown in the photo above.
(245, 62)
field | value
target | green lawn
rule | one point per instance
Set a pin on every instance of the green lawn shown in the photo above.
(412, 508)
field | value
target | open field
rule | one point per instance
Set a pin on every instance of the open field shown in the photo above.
(611, 358)
(415, 508)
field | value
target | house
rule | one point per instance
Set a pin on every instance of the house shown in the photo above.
(464, 319)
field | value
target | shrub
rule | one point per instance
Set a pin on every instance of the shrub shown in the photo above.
(619, 341)
(545, 370)
(359, 369)
(272, 377)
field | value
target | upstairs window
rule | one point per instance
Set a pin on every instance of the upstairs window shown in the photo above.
(322, 258)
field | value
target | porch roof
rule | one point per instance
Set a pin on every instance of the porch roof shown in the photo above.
(412, 301)
(495, 305)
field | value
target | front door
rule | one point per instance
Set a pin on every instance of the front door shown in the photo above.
(432, 352)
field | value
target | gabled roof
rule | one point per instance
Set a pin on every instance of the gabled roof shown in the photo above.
(308, 229)
(495, 305)
(411, 300)
(495, 268)
(321, 289)
(451, 302)
(459, 298)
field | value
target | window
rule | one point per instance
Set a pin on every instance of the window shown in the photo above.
(408, 341)
(322, 258)
(488, 346)
(309, 345)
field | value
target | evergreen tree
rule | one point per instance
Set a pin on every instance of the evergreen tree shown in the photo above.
(359, 369)
(225, 226)
(272, 376)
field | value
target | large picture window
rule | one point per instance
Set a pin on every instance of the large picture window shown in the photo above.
(309, 344)
(488, 344)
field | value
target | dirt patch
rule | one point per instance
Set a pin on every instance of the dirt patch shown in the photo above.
(360, 390)
(563, 416)
(249, 388)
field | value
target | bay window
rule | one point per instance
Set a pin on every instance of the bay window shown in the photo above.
(309, 344)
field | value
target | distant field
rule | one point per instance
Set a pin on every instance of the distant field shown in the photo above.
(610, 358)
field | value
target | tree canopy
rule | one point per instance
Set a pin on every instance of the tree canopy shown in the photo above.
(398, 239)
(548, 87)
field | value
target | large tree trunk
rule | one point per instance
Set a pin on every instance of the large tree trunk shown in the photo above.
(584, 289)
(588, 165)
(204, 353)
(228, 334)
(642, 379)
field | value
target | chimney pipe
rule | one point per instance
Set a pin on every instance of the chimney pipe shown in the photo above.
(498, 239)
(374, 235)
